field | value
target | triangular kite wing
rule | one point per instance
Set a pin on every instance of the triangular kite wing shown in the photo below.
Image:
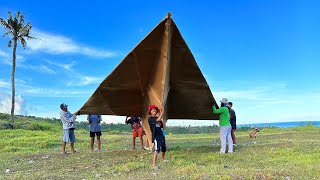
(160, 70)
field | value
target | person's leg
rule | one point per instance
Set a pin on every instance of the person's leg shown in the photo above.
(65, 139)
(99, 143)
(133, 143)
(141, 141)
(72, 147)
(230, 142)
(140, 134)
(91, 143)
(233, 136)
(163, 148)
(92, 134)
(223, 137)
(154, 159)
(63, 148)
(72, 140)
(134, 135)
(156, 151)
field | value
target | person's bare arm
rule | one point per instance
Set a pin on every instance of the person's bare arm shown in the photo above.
(161, 114)
(89, 119)
(164, 124)
(99, 118)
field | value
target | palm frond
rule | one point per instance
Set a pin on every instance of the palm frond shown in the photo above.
(28, 26)
(21, 19)
(7, 33)
(31, 37)
(17, 16)
(4, 24)
(24, 31)
(23, 42)
(10, 43)
(9, 15)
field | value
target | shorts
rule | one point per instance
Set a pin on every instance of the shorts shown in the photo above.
(93, 134)
(137, 132)
(233, 125)
(68, 136)
(160, 143)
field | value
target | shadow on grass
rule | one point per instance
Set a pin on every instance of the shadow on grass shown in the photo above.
(196, 149)
(201, 149)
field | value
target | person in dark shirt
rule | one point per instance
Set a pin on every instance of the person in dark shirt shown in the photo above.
(233, 122)
(156, 125)
(137, 130)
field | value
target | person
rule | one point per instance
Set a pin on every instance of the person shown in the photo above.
(95, 129)
(225, 126)
(137, 130)
(156, 125)
(67, 120)
(233, 122)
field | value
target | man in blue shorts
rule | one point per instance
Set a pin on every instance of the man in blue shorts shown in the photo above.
(67, 120)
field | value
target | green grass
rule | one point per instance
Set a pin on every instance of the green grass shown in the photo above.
(277, 154)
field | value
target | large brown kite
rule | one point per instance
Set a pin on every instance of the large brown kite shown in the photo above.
(160, 70)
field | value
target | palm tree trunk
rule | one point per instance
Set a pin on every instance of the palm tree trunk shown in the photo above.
(12, 78)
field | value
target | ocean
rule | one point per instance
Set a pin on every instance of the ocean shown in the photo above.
(283, 124)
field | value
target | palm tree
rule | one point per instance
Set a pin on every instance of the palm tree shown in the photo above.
(18, 32)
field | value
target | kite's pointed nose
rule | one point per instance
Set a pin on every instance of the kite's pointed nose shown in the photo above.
(169, 14)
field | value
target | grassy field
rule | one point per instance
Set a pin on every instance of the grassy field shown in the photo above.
(292, 153)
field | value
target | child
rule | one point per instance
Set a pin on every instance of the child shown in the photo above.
(137, 130)
(156, 125)
(225, 126)
(95, 129)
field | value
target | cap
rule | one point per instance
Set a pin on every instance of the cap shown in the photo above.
(63, 105)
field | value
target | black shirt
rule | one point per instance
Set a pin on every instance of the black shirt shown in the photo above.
(133, 120)
(233, 117)
(155, 127)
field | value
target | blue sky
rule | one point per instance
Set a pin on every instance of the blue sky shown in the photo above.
(262, 55)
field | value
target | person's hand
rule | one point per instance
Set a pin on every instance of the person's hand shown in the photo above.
(77, 113)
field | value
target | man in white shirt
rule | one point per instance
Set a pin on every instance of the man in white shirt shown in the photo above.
(67, 120)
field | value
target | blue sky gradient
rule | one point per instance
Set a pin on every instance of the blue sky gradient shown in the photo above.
(261, 55)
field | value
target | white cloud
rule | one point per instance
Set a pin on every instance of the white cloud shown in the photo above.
(4, 84)
(78, 79)
(3, 54)
(38, 68)
(44, 68)
(47, 92)
(7, 58)
(67, 66)
(5, 104)
(85, 80)
(21, 63)
(57, 44)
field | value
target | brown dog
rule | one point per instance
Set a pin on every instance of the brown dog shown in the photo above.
(253, 134)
